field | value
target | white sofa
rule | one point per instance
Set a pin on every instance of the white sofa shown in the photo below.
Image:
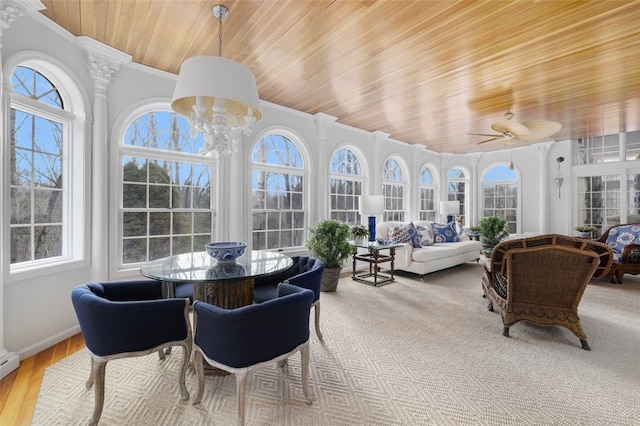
(433, 257)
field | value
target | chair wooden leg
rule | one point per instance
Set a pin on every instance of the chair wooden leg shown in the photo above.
(304, 354)
(585, 345)
(197, 365)
(316, 310)
(241, 384)
(186, 355)
(505, 331)
(91, 375)
(98, 369)
(161, 354)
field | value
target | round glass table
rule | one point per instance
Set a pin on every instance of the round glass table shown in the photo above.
(225, 284)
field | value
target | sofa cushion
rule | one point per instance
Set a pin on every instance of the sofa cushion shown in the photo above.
(434, 252)
(399, 235)
(414, 235)
(445, 233)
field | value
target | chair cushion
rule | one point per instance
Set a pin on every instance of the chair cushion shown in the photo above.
(446, 233)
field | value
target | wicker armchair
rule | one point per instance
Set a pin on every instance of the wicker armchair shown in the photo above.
(542, 279)
(624, 240)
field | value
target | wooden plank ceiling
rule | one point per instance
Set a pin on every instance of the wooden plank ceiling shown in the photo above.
(426, 72)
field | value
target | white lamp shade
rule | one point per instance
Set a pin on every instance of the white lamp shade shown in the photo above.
(450, 207)
(212, 77)
(371, 205)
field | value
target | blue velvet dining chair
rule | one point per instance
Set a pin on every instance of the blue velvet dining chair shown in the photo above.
(129, 319)
(242, 339)
(306, 272)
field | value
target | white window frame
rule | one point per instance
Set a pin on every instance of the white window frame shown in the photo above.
(75, 173)
(506, 182)
(392, 214)
(433, 187)
(353, 178)
(118, 268)
(273, 168)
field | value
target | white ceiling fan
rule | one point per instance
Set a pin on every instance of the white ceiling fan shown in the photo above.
(513, 132)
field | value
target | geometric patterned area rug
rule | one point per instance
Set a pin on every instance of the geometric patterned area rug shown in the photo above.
(407, 353)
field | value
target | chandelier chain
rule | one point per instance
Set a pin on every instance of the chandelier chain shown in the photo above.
(220, 36)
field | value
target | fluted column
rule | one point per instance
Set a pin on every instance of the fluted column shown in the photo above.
(545, 182)
(375, 186)
(322, 122)
(475, 188)
(103, 62)
(10, 10)
(416, 149)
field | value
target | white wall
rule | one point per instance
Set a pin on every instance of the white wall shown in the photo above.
(37, 311)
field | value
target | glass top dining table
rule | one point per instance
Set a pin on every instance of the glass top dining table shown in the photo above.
(225, 284)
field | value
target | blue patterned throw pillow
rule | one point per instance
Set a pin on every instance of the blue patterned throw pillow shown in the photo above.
(399, 236)
(414, 234)
(622, 236)
(445, 233)
(428, 237)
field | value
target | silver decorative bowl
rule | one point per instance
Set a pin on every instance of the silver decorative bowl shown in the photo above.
(226, 251)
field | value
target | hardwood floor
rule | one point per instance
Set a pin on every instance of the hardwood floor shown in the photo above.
(19, 390)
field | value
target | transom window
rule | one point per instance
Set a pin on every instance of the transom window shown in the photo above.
(427, 194)
(346, 186)
(277, 192)
(393, 189)
(166, 190)
(500, 192)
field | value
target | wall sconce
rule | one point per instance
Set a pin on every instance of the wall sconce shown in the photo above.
(559, 179)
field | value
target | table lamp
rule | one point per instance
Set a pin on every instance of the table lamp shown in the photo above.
(371, 205)
(450, 208)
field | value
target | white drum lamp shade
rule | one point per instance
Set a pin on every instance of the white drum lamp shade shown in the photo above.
(214, 77)
(450, 209)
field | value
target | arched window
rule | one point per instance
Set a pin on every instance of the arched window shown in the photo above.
(166, 189)
(393, 189)
(46, 155)
(500, 195)
(457, 186)
(427, 194)
(346, 186)
(277, 193)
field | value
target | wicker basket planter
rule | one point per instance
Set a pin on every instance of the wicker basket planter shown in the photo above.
(330, 278)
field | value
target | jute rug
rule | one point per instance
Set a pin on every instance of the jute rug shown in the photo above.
(407, 353)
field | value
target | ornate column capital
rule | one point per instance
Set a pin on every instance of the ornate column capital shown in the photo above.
(10, 10)
(475, 158)
(543, 149)
(378, 138)
(322, 122)
(103, 62)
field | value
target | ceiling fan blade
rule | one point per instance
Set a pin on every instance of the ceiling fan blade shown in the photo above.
(489, 140)
(485, 134)
(540, 129)
(513, 127)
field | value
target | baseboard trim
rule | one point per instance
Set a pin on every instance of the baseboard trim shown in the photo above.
(10, 363)
(48, 342)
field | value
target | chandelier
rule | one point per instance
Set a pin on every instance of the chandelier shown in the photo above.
(219, 98)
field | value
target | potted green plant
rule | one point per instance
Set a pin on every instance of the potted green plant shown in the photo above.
(359, 233)
(493, 230)
(586, 231)
(328, 241)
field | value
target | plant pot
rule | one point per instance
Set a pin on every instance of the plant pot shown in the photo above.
(584, 234)
(487, 249)
(359, 240)
(330, 278)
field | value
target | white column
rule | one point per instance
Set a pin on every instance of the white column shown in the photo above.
(375, 185)
(10, 10)
(322, 122)
(475, 187)
(545, 188)
(103, 62)
(414, 181)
